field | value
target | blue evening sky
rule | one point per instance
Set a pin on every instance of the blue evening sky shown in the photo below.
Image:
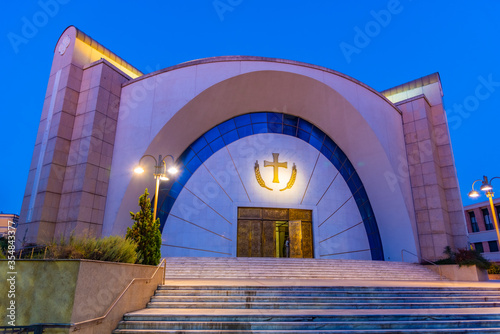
(459, 39)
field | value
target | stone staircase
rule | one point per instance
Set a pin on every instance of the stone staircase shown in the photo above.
(287, 268)
(297, 297)
(210, 295)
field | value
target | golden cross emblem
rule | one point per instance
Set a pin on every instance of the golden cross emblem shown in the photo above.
(275, 164)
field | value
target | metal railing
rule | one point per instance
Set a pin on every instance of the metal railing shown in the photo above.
(30, 251)
(420, 258)
(77, 326)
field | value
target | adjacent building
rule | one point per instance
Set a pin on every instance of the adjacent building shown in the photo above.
(267, 150)
(482, 234)
(6, 220)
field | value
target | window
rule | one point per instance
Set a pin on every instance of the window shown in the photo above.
(473, 222)
(487, 220)
(493, 246)
(479, 247)
(498, 213)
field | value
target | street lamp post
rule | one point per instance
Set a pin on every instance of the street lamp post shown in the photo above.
(160, 174)
(488, 189)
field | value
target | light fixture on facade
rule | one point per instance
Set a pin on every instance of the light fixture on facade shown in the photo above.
(173, 170)
(160, 174)
(138, 170)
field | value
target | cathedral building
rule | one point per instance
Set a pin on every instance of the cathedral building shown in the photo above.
(274, 158)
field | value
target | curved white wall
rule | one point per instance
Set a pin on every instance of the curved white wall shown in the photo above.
(165, 112)
(203, 220)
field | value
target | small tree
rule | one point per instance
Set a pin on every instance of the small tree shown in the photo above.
(146, 232)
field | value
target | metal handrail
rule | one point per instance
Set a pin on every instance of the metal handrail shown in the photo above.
(98, 320)
(422, 258)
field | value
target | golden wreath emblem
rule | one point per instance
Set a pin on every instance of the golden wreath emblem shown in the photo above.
(276, 165)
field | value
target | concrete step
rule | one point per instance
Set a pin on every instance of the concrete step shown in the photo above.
(373, 278)
(286, 268)
(261, 287)
(321, 299)
(326, 293)
(297, 305)
(262, 269)
(283, 261)
(287, 271)
(312, 321)
(343, 297)
(291, 263)
(314, 331)
(312, 325)
(290, 270)
(249, 265)
(287, 264)
(279, 316)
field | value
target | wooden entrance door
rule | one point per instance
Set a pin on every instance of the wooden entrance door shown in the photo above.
(257, 232)
(295, 231)
(256, 238)
(300, 239)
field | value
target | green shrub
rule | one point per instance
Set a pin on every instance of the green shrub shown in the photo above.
(445, 261)
(494, 269)
(113, 249)
(469, 257)
(146, 232)
(4, 244)
(64, 249)
(464, 257)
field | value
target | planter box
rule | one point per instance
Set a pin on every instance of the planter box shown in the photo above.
(70, 291)
(454, 272)
(495, 277)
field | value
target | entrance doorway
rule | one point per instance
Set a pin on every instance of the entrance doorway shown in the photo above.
(262, 232)
(282, 234)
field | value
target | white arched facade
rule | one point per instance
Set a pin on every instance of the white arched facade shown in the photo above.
(165, 112)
